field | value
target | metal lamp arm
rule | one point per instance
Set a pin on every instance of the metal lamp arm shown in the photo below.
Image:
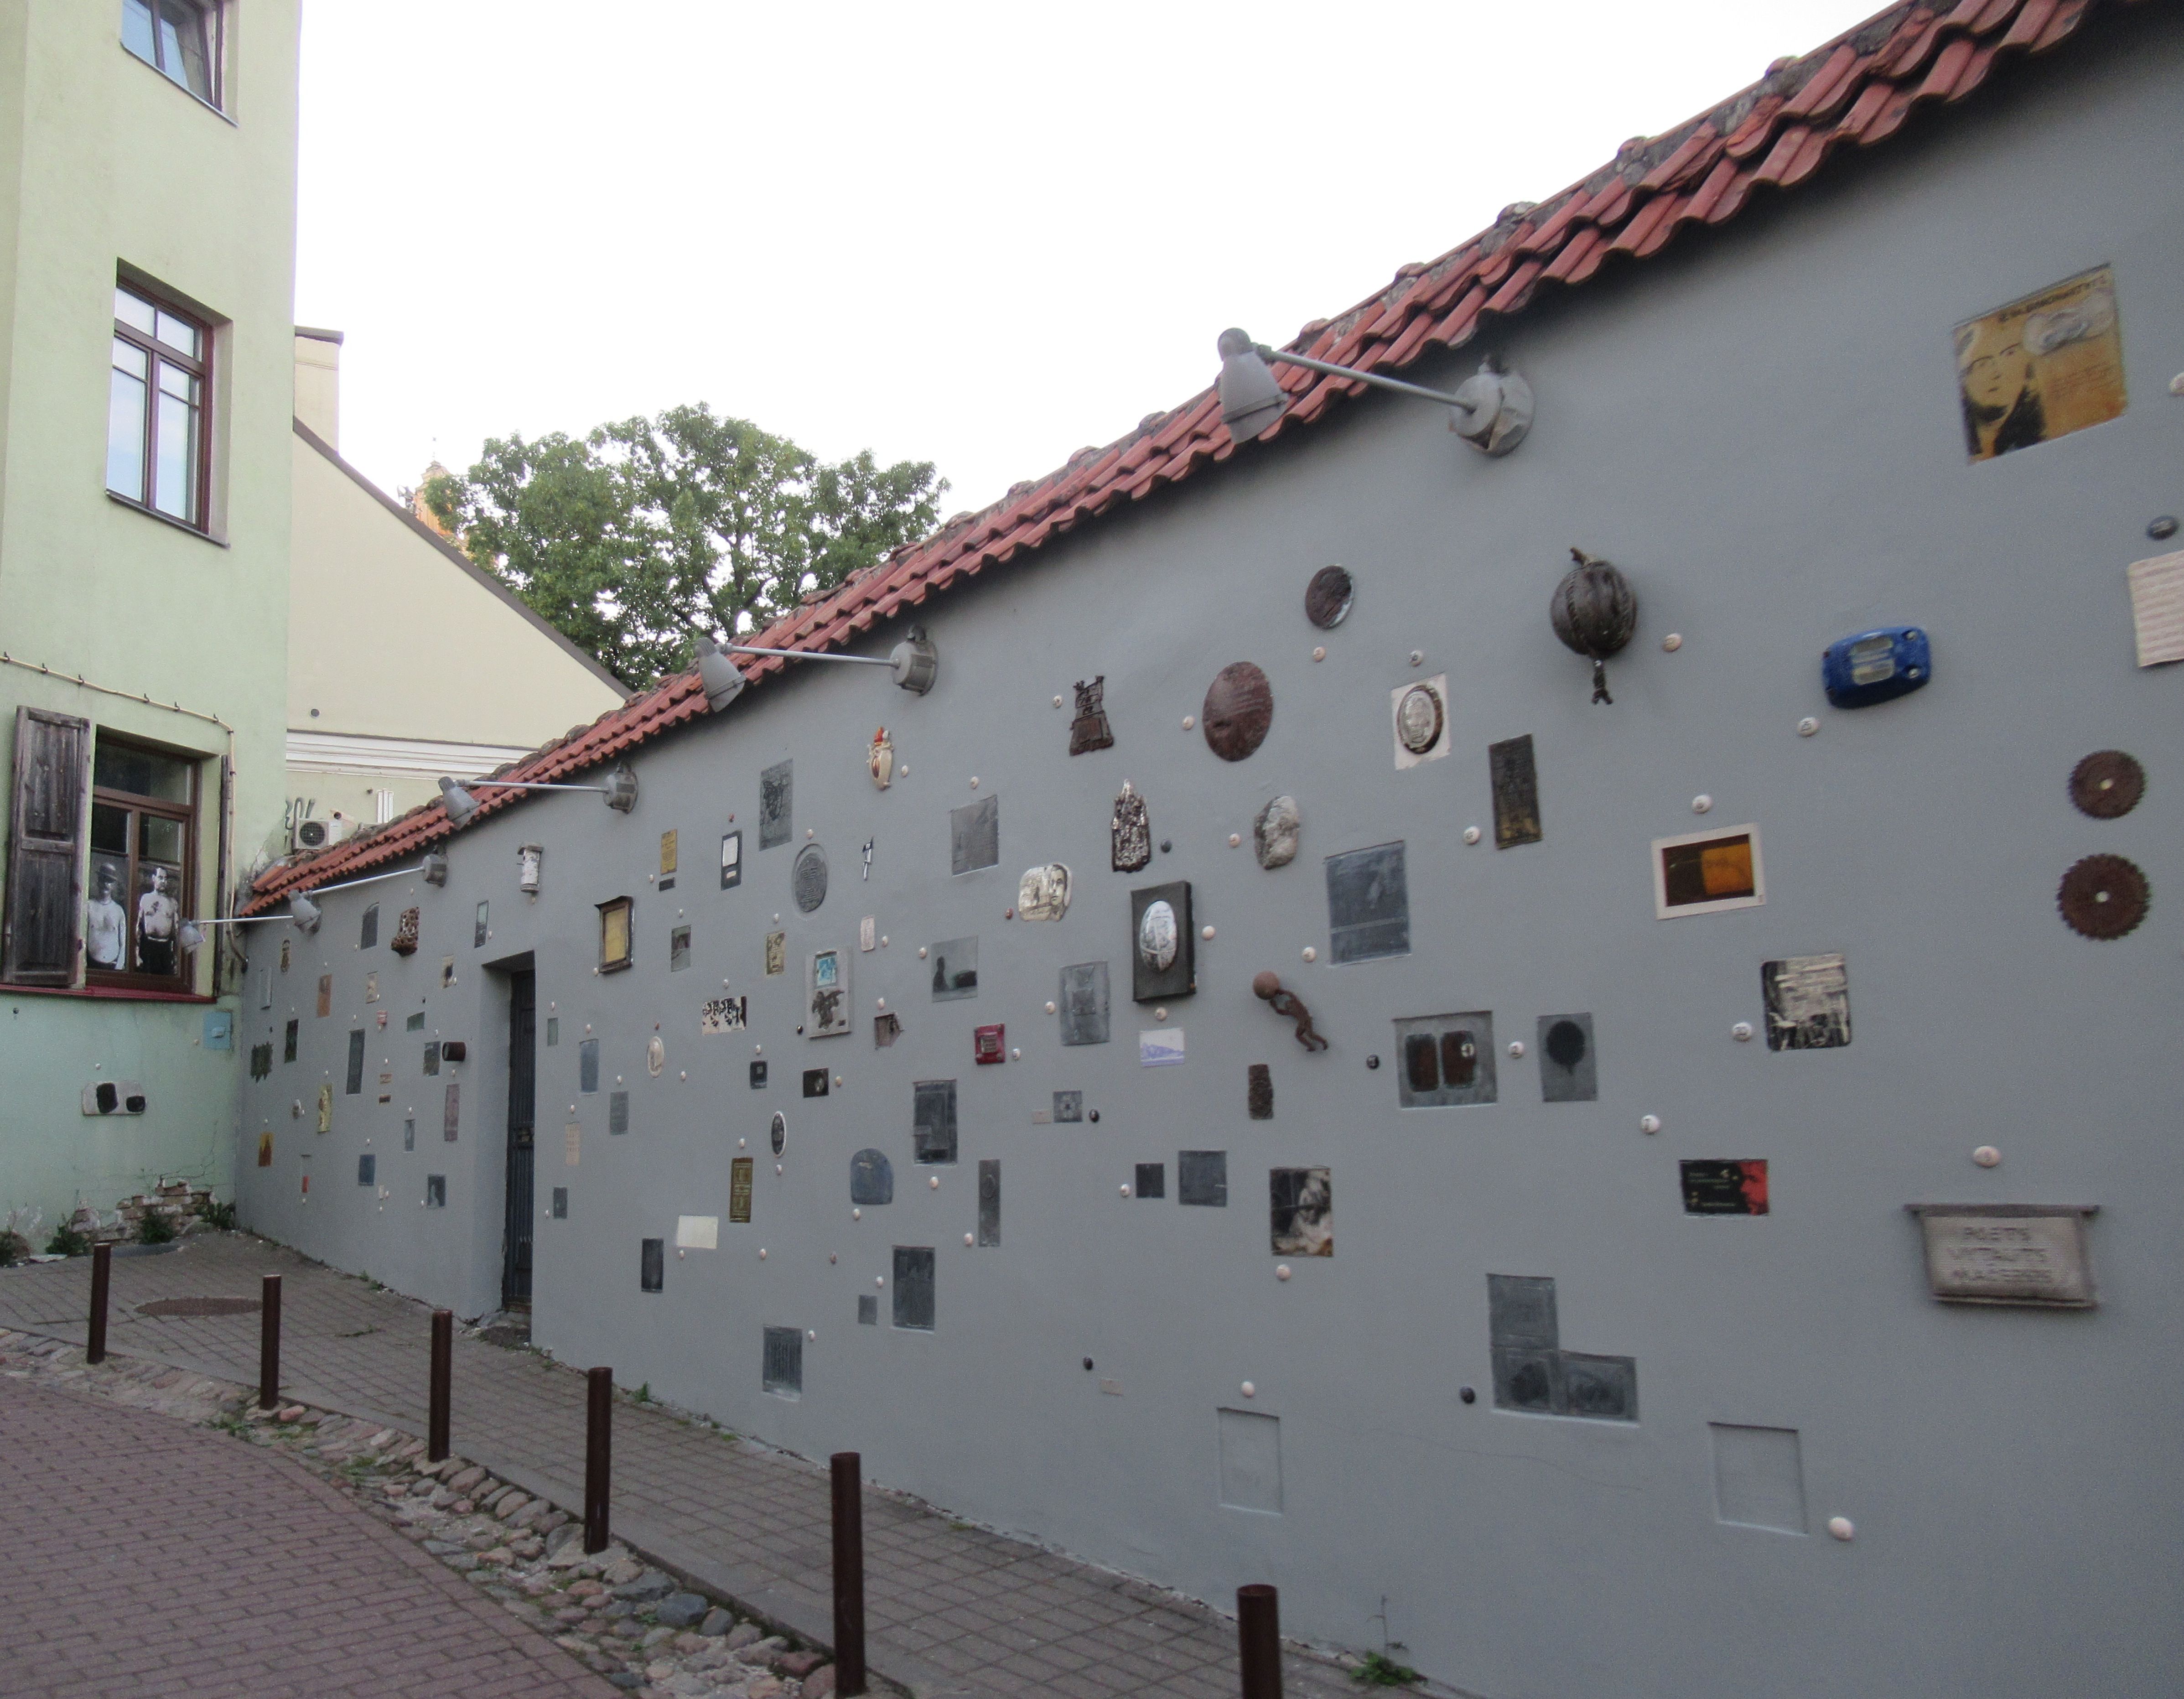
(807, 655)
(523, 784)
(1371, 377)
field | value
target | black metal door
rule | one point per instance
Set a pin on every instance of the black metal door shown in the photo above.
(522, 1099)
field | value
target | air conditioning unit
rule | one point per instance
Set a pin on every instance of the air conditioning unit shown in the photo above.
(308, 834)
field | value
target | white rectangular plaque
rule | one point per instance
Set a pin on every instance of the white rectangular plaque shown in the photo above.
(1158, 1049)
(2157, 608)
(697, 1233)
(2008, 1253)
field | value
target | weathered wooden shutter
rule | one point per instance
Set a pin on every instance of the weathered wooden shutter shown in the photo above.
(51, 755)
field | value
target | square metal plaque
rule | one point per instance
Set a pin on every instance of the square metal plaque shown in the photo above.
(954, 969)
(1443, 1059)
(974, 835)
(1368, 904)
(1201, 1177)
(783, 1374)
(1807, 1002)
(1151, 1181)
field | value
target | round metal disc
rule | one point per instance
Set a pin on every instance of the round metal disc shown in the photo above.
(2103, 897)
(2107, 784)
(809, 880)
(1419, 718)
(1240, 706)
(779, 1134)
(1326, 598)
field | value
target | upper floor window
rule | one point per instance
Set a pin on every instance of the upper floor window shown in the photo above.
(181, 37)
(156, 442)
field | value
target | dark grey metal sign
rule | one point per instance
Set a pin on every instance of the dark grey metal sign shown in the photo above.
(1201, 1177)
(1516, 792)
(913, 1286)
(1083, 1003)
(1569, 1070)
(974, 835)
(989, 1201)
(871, 1179)
(932, 1121)
(1368, 904)
(776, 797)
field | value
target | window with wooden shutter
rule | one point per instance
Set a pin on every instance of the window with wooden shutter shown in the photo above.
(45, 835)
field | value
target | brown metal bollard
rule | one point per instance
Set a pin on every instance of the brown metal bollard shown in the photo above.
(847, 1468)
(1259, 1641)
(443, 1347)
(268, 1344)
(102, 1274)
(598, 1423)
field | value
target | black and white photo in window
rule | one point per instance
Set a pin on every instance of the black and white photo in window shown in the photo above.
(143, 821)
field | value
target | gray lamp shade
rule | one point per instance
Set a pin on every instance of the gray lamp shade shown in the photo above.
(621, 789)
(459, 802)
(190, 935)
(1250, 400)
(721, 678)
(303, 912)
(916, 663)
(435, 868)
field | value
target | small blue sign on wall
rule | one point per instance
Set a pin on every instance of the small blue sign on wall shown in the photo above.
(219, 1029)
(1875, 666)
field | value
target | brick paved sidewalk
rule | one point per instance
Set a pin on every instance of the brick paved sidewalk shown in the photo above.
(950, 1611)
(149, 1557)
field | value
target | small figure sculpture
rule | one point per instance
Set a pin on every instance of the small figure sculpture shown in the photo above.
(880, 758)
(1268, 986)
(1131, 832)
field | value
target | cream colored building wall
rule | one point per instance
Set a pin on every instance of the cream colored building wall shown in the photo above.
(399, 644)
(105, 164)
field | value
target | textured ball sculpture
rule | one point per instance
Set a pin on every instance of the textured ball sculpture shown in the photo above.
(1594, 610)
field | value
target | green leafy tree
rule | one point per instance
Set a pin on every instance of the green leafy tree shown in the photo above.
(633, 537)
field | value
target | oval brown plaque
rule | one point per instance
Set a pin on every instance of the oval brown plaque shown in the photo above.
(1326, 598)
(2107, 784)
(2103, 897)
(1240, 706)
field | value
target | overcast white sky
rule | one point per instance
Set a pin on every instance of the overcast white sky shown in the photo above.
(980, 235)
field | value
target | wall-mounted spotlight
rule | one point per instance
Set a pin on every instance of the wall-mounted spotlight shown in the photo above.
(1491, 409)
(620, 790)
(915, 662)
(304, 911)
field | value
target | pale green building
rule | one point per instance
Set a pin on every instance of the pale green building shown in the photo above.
(147, 195)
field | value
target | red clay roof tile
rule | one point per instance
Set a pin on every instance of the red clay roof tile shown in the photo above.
(1862, 85)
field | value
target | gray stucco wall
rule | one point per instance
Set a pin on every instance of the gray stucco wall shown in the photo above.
(1762, 429)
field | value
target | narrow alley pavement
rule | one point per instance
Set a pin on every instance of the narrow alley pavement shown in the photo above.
(951, 1610)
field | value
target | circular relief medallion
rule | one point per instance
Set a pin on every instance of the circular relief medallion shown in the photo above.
(2103, 897)
(780, 1133)
(1240, 706)
(1326, 598)
(2107, 784)
(1157, 937)
(1420, 718)
(809, 880)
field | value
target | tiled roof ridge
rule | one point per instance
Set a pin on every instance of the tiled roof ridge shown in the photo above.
(1859, 87)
